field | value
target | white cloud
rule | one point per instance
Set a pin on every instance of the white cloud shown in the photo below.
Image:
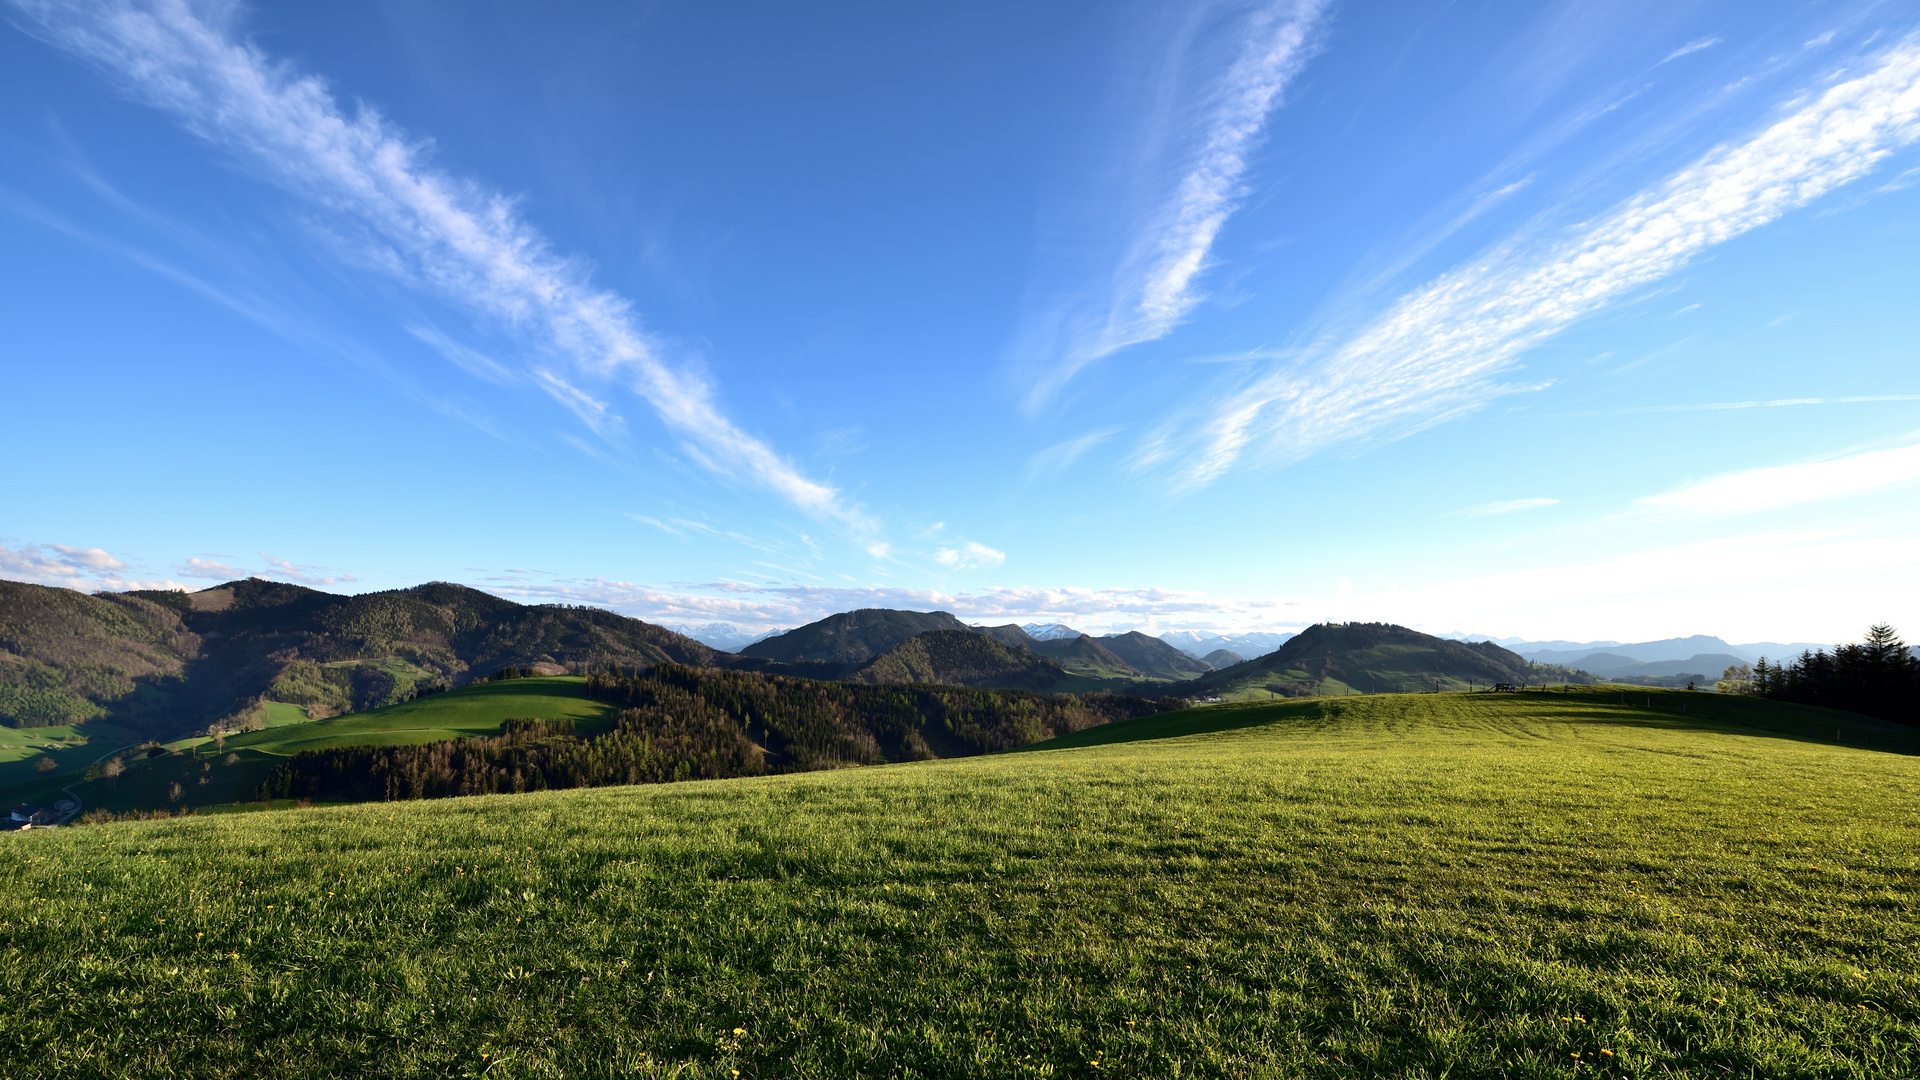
(304, 575)
(1057, 457)
(87, 559)
(760, 607)
(1436, 352)
(1506, 506)
(1723, 406)
(970, 556)
(1811, 585)
(1154, 287)
(210, 570)
(1692, 47)
(84, 569)
(1789, 485)
(442, 234)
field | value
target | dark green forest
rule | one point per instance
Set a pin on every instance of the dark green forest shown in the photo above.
(1879, 677)
(678, 722)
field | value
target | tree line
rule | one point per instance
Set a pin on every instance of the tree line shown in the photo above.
(676, 722)
(1879, 677)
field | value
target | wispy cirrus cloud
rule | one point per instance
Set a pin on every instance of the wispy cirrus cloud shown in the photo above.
(1775, 486)
(1505, 506)
(1155, 285)
(1691, 47)
(1436, 353)
(1729, 406)
(450, 237)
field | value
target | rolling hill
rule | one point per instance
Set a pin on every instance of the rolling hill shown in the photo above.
(851, 638)
(961, 658)
(1540, 885)
(1154, 658)
(166, 663)
(1372, 658)
(1086, 655)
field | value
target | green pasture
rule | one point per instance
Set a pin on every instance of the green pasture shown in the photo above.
(1523, 885)
(211, 772)
(275, 714)
(466, 712)
(79, 744)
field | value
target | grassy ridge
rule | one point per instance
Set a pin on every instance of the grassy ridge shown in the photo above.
(1408, 885)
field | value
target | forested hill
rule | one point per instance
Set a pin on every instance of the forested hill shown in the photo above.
(1374, 658)
(961, 658)
(851, 638)
(686, 723)
(166, 663)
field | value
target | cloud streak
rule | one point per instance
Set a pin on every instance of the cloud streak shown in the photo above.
(1435, 354)
(1155, 285)
(761, 607)
(1505, 506)
(1790, 485)
(447, 236)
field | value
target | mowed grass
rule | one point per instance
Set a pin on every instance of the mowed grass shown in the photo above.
(1412, 885)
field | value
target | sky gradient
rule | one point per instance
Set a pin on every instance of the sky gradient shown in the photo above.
(1575, 320)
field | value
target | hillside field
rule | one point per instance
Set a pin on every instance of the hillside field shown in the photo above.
(1520, 885)
(232, 770)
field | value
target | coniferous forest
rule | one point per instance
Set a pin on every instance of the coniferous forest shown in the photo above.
(677, 722)
(1879, 677)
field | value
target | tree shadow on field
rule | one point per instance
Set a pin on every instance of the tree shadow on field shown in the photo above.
(1523, 714)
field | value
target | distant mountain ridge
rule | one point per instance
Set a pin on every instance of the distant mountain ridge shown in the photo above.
(1248, 646)
(1649, 652)
(724, 636)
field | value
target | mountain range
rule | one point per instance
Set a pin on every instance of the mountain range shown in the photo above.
(1648, 652)
(170, 662)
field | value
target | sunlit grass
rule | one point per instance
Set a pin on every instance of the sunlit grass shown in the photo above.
(1399, 885)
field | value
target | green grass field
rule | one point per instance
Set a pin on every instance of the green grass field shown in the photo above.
(1526, 885)
(471, 710)
(210, 775)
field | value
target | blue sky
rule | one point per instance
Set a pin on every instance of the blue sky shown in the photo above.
(1564, 320)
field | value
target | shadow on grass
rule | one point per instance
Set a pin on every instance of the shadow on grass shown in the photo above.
(1502, 712)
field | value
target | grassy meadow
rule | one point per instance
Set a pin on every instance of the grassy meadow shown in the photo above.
(1518, 885)
(227, 772)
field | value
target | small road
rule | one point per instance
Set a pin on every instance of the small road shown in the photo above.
(110, 753)
(78, 805)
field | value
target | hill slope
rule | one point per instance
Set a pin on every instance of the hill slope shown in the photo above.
(961, 658)
(1085, 655)
(1372, 658)
(1154, 658)
(851, 637)
(166, 663)
(1421, 885)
